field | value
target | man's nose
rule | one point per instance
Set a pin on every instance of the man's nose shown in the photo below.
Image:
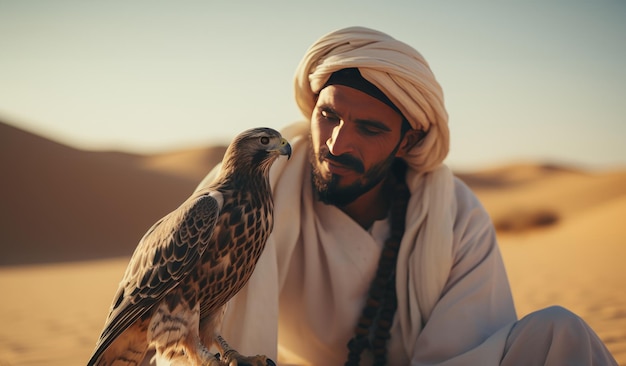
(340, 141)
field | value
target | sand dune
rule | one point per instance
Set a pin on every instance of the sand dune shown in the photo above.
(515, 194)
(61, 204)
(69, 220)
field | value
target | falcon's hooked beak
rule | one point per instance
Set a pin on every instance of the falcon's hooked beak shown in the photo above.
(283, 148)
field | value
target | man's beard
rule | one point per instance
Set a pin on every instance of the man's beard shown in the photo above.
(328, 190)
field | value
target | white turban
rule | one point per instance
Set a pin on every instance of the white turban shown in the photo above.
(397, 69)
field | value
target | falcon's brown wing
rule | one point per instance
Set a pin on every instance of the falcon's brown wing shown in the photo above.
(170, 250)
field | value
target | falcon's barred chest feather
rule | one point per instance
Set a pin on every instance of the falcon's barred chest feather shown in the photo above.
(238, 241)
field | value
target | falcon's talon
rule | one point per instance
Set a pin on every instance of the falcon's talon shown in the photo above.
(183, 272)
(232, 357)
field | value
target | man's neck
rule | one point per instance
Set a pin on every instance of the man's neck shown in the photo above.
(371, 206)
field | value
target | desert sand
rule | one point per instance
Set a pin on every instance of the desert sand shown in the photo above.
(70, 219)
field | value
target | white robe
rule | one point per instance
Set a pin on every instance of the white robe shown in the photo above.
(311, 282)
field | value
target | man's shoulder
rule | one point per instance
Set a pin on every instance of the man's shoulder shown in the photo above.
(464, 193)
(468, 205)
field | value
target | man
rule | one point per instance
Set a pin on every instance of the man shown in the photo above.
(372, 260)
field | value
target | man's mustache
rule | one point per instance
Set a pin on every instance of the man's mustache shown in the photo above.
(346, 160)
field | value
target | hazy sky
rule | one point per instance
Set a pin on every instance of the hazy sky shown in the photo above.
(523, 80)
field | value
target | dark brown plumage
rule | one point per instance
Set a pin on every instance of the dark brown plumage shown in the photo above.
(192, 261)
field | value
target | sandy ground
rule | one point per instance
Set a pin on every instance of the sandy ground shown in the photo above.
(70, 220)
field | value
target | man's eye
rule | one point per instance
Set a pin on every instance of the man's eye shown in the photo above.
(328, 116)
(371, 131)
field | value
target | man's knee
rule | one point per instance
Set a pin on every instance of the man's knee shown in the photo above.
(554, 336)
(557, 318)
(554, 323)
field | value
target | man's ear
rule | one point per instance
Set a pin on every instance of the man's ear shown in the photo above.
(411, 138)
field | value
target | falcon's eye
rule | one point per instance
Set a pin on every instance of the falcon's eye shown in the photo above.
(265, 140)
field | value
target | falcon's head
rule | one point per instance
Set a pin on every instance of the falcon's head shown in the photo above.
(256, 148)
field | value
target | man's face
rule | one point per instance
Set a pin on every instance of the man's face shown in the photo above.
(354, 140)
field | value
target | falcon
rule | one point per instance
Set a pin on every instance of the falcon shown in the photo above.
(190, 263)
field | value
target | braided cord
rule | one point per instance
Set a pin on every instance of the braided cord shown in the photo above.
(374, 325)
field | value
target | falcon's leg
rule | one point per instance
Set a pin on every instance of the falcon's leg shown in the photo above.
(174, 333)
(231, 357)
(209, 327)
